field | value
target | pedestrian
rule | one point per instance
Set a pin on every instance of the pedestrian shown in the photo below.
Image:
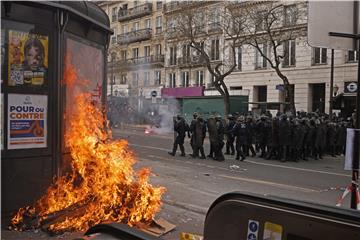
(180, 128)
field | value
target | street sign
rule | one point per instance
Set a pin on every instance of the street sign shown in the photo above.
(153, 93)
(331, 16)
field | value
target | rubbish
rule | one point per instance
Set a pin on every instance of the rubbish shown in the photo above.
(157, 228)
(207, 174)
(190, 236)
(234, 167)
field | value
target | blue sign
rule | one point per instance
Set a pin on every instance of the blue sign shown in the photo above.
(251, 236)
(253, 226)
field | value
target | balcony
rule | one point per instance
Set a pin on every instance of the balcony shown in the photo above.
(128, 63)
(182, 5)
(190, 61)
(135, 36)
(136, 12)
(214, 27)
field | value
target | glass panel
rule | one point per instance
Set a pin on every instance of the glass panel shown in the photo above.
(88, 63)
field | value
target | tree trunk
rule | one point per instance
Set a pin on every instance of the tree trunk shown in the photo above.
(289, 96)
(226, 104)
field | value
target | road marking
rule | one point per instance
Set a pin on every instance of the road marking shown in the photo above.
(297, 168)
(280, 185)
(258, 163)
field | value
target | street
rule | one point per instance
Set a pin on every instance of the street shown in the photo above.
(193, 184)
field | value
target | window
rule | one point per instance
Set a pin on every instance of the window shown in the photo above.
(172, 80)
(260, 61)
(147, 53)
(157, 77)
(320, 56)
(135, 79)
(172, 55)
(135, 26)
(123, 54)
(124, 29)
(212, 80)
(158, 5)
(214, 21)
(352, 56)
(185, 79)
(135, 52)
(113, 37)
(158, 49)
(289, 53)
(123, 79)
(260, 21)
(147, 23)
(238, 58)
(146, 79)
(113, 14)
(215, 50)
(186, 51)
(200, 78)
(158, 24)
(290, 15)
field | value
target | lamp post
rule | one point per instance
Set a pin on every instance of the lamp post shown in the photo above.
(112, 76)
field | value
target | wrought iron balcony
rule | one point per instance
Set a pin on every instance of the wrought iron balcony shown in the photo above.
(135, 36)
(190, 61)
(153, 59)
(136, 12)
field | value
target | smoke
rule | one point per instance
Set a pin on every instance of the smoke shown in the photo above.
(167, 112)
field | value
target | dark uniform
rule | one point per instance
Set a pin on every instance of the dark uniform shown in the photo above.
(220, 129)
(198, 138)
(241, 132)
(229, 136)
(211, 126)
(180, 128)
(284, 138)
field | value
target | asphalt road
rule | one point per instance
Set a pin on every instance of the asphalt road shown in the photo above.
(193, 184)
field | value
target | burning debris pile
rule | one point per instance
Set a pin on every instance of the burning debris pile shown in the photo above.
(101, 186)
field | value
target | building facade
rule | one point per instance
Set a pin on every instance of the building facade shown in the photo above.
(136, 51)
(150, 53)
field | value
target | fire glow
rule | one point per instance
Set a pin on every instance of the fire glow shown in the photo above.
(102, 185)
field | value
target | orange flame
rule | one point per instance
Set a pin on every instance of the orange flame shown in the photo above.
(102, 185)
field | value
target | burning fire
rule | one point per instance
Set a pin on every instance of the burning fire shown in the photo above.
(102, 184)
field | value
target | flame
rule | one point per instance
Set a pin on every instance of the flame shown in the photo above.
(102, 184)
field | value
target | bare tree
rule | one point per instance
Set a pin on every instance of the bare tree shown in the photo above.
(271, 29)
(213, 31)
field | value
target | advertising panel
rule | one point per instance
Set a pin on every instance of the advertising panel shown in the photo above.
(27, 121)
(28, 58)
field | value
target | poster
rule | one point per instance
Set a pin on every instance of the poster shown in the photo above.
(349, 152)
(27, 121)
(28, 58)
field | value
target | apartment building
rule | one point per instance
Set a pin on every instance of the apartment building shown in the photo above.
(136, 51)
(307, 68)
(182, 71)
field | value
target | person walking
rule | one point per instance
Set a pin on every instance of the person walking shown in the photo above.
(219, 143)
(180, 128)
(199, 136)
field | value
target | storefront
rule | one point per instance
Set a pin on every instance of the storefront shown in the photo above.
(37, 40)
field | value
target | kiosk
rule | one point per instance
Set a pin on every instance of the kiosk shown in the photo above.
(36, 37)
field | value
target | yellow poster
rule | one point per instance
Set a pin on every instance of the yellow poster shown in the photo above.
(28, 58)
